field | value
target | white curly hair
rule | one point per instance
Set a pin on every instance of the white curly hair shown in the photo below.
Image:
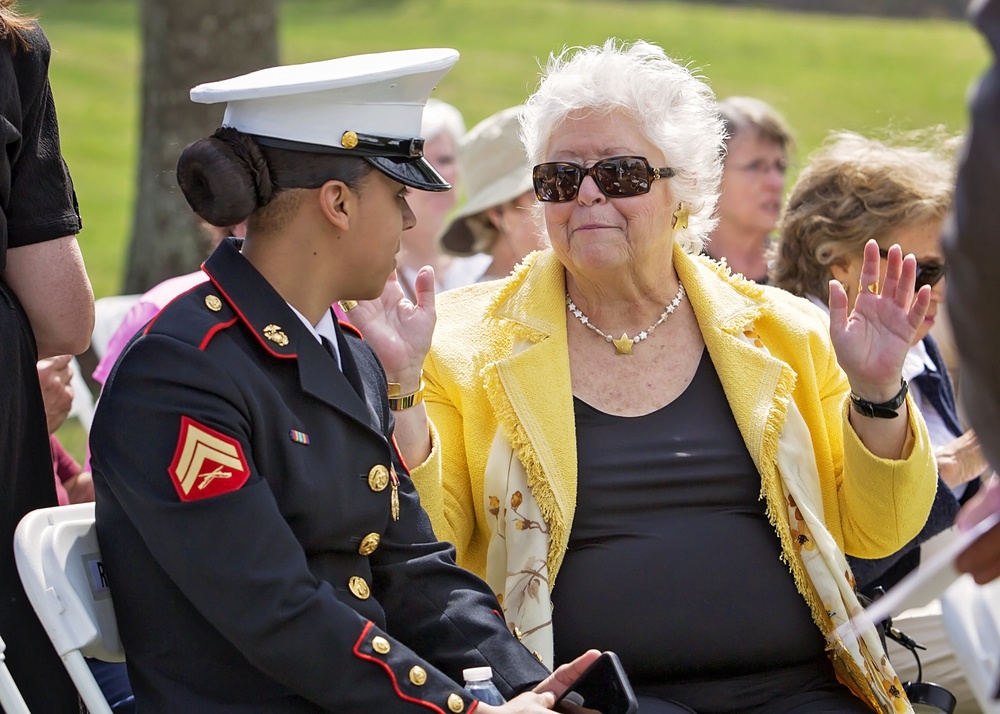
(673, 106)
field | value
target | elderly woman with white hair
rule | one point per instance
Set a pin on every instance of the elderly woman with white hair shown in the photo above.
(690, 454)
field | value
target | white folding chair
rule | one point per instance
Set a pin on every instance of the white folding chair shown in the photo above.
(10, 695)
(83, 401)
(60, 565)
(971, 616)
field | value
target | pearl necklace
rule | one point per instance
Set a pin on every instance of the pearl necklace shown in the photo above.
(623, 345)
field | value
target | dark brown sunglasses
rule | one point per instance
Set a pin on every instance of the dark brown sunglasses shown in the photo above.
(927, 273)
(616, 177)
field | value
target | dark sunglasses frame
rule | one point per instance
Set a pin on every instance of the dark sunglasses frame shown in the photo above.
(607, 174)
(927, 273)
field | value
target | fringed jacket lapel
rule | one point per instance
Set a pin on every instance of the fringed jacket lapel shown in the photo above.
(757, 385)
(532, 397)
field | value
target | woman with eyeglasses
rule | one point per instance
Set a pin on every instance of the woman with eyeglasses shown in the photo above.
(758, 145)
(643, 453)
(857, 193)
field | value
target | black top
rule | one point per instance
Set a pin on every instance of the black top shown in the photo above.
(244, 511)
(669, 514)
(36, 205)
(37, 202)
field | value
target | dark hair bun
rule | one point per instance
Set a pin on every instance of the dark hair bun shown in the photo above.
(225, 177)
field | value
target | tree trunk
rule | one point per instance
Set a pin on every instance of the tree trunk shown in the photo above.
(185, 43)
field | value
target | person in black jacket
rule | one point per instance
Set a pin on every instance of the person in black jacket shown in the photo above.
(266, 548)
(972, 246)
(46, 309)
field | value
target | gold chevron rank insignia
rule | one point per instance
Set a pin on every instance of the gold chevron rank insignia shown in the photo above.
(206, 462)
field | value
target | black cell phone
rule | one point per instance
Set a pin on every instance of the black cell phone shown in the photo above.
(602, 689)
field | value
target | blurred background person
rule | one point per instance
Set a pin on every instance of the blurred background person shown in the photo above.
(974, 252)
(854, 190)
(46, 309)
(496, 223)
(723, 441)
(442, 128)
(55, 376)
(758, 150)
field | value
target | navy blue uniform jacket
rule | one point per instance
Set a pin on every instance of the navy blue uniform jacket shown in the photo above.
(245, 523)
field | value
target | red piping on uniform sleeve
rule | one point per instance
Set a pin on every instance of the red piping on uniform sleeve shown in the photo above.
(215, 329)
(392, 677)
(400, 455)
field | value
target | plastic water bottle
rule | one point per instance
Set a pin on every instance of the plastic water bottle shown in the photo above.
(479, 683)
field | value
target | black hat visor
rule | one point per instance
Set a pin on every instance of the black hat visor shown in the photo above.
(416, 173)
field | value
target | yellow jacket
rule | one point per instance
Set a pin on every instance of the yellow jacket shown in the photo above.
(475, 385)
(500, 483)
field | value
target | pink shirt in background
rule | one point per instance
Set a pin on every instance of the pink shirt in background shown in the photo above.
(64, 467)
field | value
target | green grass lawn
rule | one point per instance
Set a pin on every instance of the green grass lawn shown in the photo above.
(823, 72)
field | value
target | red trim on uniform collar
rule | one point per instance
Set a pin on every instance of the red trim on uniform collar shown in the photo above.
(253, 330)
(352, 328)
(392, 675)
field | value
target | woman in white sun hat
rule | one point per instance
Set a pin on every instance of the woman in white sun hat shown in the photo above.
(497, 221)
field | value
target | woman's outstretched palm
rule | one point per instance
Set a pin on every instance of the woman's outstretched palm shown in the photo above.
(871, 340)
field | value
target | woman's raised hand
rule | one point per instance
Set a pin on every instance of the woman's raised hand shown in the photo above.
(872, 339)
(398, 330)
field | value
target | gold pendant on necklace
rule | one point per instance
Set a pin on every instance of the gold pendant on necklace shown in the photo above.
(623, 345)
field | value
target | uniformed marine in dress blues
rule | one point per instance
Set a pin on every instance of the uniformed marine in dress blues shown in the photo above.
(265, 546)
(243, 497)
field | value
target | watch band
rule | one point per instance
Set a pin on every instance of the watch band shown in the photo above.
(881, 410)
(399, 402)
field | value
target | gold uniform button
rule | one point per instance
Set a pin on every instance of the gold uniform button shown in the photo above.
(213, 303)
(369, 543)
(517, 633)
(359, 587)
(381, 645)
(418, 676)
(455, 703)
(378, 478)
